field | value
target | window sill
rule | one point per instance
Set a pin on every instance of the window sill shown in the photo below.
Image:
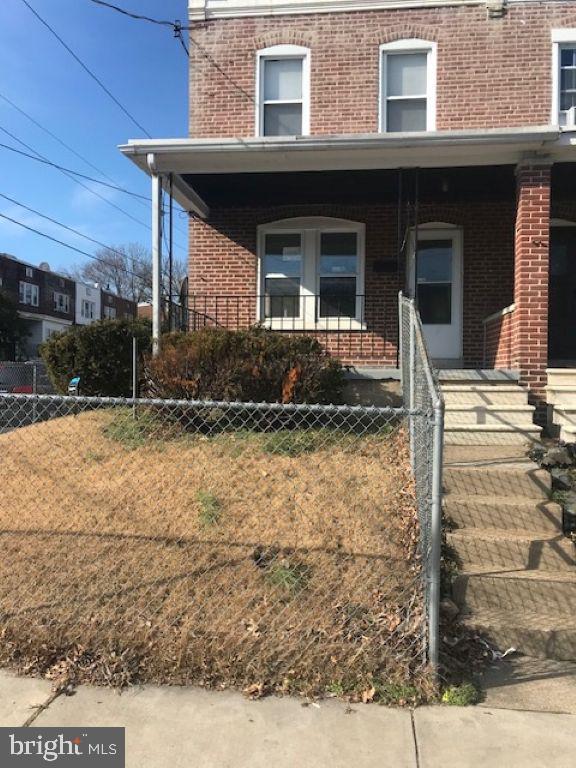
(331, 325)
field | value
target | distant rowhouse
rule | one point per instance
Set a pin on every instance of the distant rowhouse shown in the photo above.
(51, 303)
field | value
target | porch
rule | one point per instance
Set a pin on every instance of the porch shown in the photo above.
(317, 235)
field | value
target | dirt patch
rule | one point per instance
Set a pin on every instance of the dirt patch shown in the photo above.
(284, 561)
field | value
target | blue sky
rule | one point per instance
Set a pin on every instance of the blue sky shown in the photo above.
(143, 66)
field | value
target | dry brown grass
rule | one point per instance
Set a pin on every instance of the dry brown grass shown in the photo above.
(301, 576)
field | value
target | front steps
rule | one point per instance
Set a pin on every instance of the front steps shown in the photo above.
(517, 578)
(561, 398)
(486, 408)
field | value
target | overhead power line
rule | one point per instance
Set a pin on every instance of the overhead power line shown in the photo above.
(71, 175)
(40, 159)
(87, 69)
(77, 181)
(143, 201)
(124, 12)
(64, 226)
(91, 256)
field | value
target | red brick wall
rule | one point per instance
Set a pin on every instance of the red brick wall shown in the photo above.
(491, 72)
(530, 335)
(224, 262)
(498, 332)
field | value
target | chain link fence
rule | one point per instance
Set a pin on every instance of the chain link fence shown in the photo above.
(267, 546)
(24, 378)
(421, 393)
(286, 548)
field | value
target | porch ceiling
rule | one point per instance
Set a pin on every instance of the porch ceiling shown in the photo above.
(208, 171)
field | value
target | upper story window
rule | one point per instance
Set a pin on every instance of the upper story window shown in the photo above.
(283, 86)
(408, 86)
(29, 272)
(61, 302)
(564, 77)
(29, 294)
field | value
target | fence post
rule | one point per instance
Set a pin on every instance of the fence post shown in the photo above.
(34, 392)
(412, 383)
(134, 374)
(435, 536)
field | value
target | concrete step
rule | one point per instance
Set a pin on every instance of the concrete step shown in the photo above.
(482, 587)
(561, 395)
(506, 549)
(504, 512)
(509, 415)
(565, 376)
(520, 478)
(483, 376)
(491, 434)
(543, 635)
(484, 394)
(564, 415)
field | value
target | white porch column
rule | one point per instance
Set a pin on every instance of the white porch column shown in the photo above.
(156, 258)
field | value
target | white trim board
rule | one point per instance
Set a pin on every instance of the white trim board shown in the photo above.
(200, 10)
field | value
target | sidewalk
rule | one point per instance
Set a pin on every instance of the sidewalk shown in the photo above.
(188, 727)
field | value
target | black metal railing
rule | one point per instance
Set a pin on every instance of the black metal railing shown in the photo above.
(351, 326)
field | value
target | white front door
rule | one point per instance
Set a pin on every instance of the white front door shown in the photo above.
(435, 280)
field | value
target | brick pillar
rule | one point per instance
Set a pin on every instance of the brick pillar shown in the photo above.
(531, 267)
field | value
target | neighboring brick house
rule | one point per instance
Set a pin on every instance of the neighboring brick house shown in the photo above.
(52, 303)
(328, 137)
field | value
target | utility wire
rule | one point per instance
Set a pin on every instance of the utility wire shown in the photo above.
(57, 138)
(40, 159)
(87, 69)
(64, 226)
(70, 174)
(75, 180)
(72, 247)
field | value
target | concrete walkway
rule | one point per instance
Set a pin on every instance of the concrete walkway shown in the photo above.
(182, 727)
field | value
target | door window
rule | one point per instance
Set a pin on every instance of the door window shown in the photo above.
(434, 281)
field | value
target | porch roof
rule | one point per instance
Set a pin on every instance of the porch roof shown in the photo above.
(188, 159)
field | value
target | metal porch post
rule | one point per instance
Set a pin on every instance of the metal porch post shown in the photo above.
(156, 260)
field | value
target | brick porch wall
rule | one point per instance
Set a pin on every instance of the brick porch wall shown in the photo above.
(223, 262)
(498, 334)
(491, 72)
(532, 238)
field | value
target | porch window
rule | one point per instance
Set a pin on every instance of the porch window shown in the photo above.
(311, 272)
(282, 275)
(338, 269)
(408, 86)
(29, 294)
(282, 87)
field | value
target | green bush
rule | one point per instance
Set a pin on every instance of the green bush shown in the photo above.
(101, 354)
(252, 365)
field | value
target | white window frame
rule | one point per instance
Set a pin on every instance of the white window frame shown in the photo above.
(34, 293)
(109, 312)
(85, 304)
(310, 228)
(65, 304)
(29, 272)
(410, 45)
(283, 52)
(561, 38)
